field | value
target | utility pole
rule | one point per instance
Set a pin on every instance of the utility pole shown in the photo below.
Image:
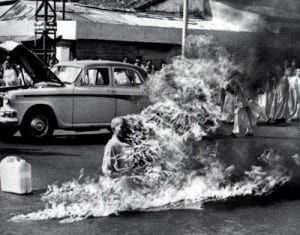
(45, 26)
(64, 9)
(185, 25)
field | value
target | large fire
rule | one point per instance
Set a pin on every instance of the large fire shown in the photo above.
(166, 164)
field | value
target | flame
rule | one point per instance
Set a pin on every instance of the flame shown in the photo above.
(165, 163)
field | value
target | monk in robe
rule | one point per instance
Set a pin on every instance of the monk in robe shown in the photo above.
(281, 101)
(247, 111)
(293, 101)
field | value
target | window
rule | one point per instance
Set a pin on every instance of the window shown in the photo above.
(66, 74)
(96, 77)
(126, 77)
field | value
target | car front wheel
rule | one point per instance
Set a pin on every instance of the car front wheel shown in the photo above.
(37, 126)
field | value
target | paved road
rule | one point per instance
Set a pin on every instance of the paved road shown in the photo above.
(62, 159)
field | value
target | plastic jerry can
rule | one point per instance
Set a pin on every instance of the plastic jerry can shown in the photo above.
(15, 175)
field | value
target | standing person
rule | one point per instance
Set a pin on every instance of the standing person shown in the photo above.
(10, 76)
(242, 122)
(162, 64)
(24, 78)
(270, 93)
(276, 78)
(297, 78)
(281, 108)
(286, 65)
(53, 61)
(294, 67)
(227, 103)
(125, 59)
(138, 61)
(246, 112)
(261, 95)
(265, 96)
(149, 67)
(293, 99)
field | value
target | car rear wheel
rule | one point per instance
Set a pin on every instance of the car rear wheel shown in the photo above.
(37, 126)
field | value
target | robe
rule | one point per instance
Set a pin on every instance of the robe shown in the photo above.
(247, 112)
(228, 107)
(281, 98)
(293, 101)
(10, 77)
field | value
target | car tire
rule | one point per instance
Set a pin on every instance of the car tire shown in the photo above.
(37, 126)
(6, 132)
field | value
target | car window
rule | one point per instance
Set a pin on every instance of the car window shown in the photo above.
(96, 77)
(126, 77)
(66, 74)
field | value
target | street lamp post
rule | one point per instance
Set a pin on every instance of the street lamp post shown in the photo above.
(185, 25)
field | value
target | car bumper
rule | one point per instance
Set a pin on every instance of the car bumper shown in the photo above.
(8, 122)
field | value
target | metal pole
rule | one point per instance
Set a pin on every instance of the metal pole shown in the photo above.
(45, 33)
(185, 25)
(64, 10)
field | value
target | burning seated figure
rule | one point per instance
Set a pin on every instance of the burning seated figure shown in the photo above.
(130, 152)
(115, 161)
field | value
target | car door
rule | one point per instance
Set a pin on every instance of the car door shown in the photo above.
(130, 97)
(94, 101)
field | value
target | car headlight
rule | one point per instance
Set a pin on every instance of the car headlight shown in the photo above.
(6, 110)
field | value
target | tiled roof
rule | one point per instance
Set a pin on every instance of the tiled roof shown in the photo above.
(228, 15)
(142, 4)
(5, 2)
(127, 4)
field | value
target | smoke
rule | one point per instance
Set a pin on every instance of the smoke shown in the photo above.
(161, 160)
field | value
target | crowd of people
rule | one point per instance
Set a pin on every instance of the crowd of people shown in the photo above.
(275, 100)
(148, 66)
(13, 74)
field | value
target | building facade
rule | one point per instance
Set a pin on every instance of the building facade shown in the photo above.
(266, 29)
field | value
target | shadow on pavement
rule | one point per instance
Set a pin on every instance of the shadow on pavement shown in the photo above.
(67, 139)
(284, 193)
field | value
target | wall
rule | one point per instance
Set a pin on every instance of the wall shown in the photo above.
(129, 33)
(113, 50)
(254, 49)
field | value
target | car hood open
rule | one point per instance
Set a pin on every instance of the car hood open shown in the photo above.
(36, 69)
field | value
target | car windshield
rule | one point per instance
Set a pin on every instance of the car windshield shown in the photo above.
(66, 74)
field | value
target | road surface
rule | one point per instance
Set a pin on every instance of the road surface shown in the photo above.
(62, 158)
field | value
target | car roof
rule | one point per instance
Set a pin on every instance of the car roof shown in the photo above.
(91, 63)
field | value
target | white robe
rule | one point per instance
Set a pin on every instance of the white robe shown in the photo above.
(228, 108)
(293, 101)
(247, 113)
(10, 77)
(281, 98)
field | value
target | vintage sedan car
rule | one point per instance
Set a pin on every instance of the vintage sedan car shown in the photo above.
(76, 95)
